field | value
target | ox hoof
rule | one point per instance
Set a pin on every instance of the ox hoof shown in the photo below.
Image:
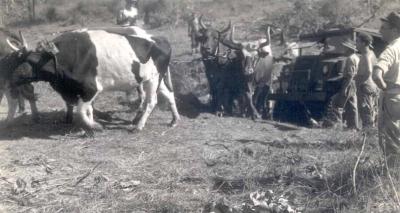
(134, 128)
(219, 114)
(88, 133)
(94, 127)
(97, 127)
(174, 123)
(256, 117)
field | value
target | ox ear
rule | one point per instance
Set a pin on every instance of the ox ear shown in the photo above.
(227, 28)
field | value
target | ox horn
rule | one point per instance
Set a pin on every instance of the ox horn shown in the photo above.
(15, 48)
(227, 28)
(268, 35)
(202, 25)
(23, 40)
(231, 43)
(282, 38)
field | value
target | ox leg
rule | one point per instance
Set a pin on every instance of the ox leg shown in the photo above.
(21, 104)
(85, 110)
(150, 93)
(140, 110)
(249, 94)
(70, 113)
(34, 110)
(171, 100)
(27, 91)
(12, 105)
(221, 98)
(260, 97)
(1, 95)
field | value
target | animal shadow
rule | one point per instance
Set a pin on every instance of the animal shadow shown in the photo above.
(50, 124)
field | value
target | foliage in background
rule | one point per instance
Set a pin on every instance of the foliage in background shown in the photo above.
(294, 16)
(313, 15)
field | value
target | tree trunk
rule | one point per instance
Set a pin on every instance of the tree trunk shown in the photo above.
(31, 10)
(34, 9)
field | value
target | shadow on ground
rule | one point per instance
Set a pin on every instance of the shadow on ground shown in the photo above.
(190, 106)
(53, 124)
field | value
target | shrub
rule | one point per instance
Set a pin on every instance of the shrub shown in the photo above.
(86, 11)
(52, 14)
(157, 13)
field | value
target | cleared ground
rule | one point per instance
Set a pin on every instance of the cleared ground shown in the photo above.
(52, 167)
(205, 161)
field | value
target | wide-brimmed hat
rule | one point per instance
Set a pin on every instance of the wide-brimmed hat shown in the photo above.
(393, 19)
(350, 44)
(366, 38)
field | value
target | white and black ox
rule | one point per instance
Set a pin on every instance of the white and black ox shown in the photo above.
(85, 63)
(256, 62)
(15, 95)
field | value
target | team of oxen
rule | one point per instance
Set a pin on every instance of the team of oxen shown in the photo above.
(239, 71)
(81, 64)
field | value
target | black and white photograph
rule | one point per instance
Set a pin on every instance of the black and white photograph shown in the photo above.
(199, 106)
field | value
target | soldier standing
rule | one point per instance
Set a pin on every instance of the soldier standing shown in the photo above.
(366, 88)
(129, 15)
(346, 98)
(386, 75)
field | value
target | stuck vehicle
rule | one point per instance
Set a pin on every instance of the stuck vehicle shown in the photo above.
(305, 85)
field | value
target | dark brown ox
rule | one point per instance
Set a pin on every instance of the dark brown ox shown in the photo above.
(256, 64)
(15, 95)
(216, 62)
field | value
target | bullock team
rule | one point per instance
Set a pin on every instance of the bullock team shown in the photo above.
(79, 65)
(236, 71)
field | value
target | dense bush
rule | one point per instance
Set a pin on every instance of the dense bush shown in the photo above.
(157, 13)
(52, 14)
(311, 15)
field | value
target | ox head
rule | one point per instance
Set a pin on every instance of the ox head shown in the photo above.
(250, 52)
(209, 38)
(22, 55)
(19, 45)
(13, 59)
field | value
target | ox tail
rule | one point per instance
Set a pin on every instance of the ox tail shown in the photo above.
(168, 80)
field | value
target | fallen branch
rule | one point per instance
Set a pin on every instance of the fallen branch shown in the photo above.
(86, 174)
(358, 160)
(284, 126)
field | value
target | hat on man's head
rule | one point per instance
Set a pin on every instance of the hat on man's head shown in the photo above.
(366, 38)
(393, 19)
(350, 44)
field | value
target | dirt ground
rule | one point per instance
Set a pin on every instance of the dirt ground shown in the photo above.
(52, 167)
(204, 163)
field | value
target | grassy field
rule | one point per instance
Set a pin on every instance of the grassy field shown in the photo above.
(205, 164)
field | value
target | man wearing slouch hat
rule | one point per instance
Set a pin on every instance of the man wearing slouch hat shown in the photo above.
(386, 74)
